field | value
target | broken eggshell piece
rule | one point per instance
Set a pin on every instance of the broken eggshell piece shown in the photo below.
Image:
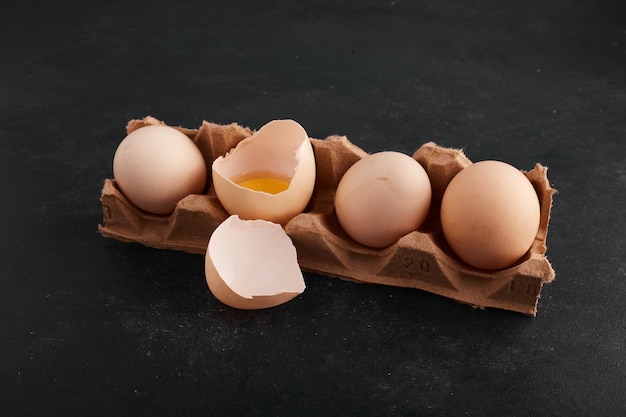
(279, 151)
(252, 264)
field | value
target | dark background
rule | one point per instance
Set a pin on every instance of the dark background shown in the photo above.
(92, 326)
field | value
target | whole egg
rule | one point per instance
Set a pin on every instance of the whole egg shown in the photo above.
(156, 166)
(490, 214)
(383, 197)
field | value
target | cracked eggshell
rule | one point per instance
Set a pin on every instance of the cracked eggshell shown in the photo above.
(252, 264)
(281, 149)
(156, 166)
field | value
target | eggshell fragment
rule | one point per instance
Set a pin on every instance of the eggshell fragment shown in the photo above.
(280, 149)
(156, 166)
(252, 264)
(383, 197)
(490, 214)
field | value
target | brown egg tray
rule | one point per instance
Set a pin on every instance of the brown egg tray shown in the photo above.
(420, 260)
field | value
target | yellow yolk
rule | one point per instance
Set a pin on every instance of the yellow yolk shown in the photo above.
(269, 185)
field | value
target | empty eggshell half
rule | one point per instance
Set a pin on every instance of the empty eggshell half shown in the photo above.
(279, 152)
(252, 264)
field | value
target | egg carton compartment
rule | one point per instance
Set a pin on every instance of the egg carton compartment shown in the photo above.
(420, 260)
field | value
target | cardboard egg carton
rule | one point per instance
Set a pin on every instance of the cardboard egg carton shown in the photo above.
(420, 260)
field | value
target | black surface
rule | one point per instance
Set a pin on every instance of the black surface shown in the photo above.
(91, 326)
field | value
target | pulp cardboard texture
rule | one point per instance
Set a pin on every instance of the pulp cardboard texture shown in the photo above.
(420, 260)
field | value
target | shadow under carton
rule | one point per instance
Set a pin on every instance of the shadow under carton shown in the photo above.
(420, 260)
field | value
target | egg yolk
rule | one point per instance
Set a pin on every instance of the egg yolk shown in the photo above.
(271, 185)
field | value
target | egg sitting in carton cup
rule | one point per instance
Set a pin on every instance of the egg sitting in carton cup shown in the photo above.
(488, 213)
